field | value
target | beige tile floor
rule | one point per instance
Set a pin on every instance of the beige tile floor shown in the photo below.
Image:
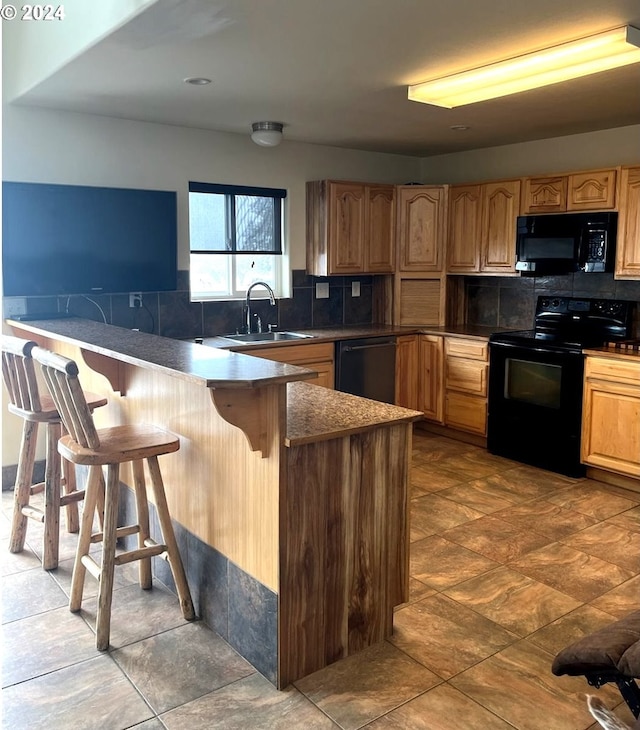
(508, 564)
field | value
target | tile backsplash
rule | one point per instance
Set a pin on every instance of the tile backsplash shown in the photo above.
(172, 314)
(511, 301)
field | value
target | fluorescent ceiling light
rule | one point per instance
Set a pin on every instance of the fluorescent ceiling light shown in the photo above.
(601, 52)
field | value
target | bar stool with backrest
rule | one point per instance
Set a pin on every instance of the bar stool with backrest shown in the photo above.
(111, 447)
(25, 401)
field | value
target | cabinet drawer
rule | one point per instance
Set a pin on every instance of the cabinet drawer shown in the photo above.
(474, 349)
(466, 412)
(603, 368)
(469, 376)
(296, 354)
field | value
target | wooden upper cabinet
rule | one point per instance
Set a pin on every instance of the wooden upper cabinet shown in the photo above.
(482, 227)
(594, 190)
(350, 228)
(544, 195)
(421, 227)
(500, 207)
(379, 250)
(591, 190)
(628, 240)
(346, 228)
(465, 218)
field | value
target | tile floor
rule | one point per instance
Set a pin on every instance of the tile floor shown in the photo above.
(508, 564)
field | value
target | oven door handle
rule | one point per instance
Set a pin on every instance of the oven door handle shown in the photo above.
(536, 348)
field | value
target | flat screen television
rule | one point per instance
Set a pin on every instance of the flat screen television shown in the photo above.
(72, 239)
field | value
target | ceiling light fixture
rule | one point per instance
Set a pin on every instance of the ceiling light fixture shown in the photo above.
(600, 52)
(267, 134)
(197, 81)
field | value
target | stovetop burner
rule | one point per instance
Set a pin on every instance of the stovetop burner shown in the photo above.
(573, 324)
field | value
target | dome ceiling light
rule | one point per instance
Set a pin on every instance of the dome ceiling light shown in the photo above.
(267, 134)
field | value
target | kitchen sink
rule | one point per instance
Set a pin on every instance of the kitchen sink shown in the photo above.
(268, 337)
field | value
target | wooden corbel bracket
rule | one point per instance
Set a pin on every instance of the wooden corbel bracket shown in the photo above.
(244, 408)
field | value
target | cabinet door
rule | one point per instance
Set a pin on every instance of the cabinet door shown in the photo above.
(407, 371)
(500, 207)
(347, 205)
(466, 412)
(421, 227)
(594, 190)
(628, 245)
(380, 230)
(431, 380)
(544, 195)
(611, 427)
(463, 251)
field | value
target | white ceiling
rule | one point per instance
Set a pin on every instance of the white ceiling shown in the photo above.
(335, 72)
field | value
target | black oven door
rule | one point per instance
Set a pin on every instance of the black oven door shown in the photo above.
(535, 406)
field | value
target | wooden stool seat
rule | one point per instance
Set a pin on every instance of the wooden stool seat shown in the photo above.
(120, 444)
(26, 402)
(110, 447)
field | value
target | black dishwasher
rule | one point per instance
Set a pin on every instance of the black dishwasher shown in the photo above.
(367, 367)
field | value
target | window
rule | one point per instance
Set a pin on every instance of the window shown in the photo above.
(236, 238)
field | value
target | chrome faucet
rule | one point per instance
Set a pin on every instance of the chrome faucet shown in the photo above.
(272, 299)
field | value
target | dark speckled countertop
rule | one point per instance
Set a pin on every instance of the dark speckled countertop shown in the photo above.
(313, 413)
(210, 366)
(333, 334)
(316, 414)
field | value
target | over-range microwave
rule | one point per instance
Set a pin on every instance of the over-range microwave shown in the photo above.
(565, 242)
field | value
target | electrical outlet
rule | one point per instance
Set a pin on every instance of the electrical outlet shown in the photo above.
(135, 299)
(355, 288)
(322, 290)
(14, 306)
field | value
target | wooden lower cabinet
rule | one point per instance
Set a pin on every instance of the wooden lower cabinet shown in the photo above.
(407, 371)
(318, 356)
(611, 415)
(431, 382)
(466, 374)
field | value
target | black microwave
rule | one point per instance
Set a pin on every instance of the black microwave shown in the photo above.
(565, 242)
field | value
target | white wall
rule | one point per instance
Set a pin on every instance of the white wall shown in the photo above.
(80, 149)
(589, 151)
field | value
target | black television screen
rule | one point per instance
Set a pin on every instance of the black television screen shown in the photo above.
(72, 239)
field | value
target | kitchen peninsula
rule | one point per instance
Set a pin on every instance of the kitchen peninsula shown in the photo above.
(290, 500)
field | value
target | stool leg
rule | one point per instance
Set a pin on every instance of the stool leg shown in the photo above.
(142, 509)
(70, 486)
(22, 491)
(52, 499)
(169, 540)
(105, 586)
(94, 487)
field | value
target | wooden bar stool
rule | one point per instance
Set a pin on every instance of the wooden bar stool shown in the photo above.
(111, 447)
(19, 376)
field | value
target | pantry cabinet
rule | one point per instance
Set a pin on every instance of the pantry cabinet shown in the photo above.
(628, 242)
(350, 228)
(579, 191)
(421, 226)
(482, 228)
(611, 415)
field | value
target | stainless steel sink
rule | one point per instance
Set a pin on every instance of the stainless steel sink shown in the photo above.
(268, 337)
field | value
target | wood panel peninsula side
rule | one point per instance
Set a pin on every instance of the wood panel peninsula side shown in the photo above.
(290, 500)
